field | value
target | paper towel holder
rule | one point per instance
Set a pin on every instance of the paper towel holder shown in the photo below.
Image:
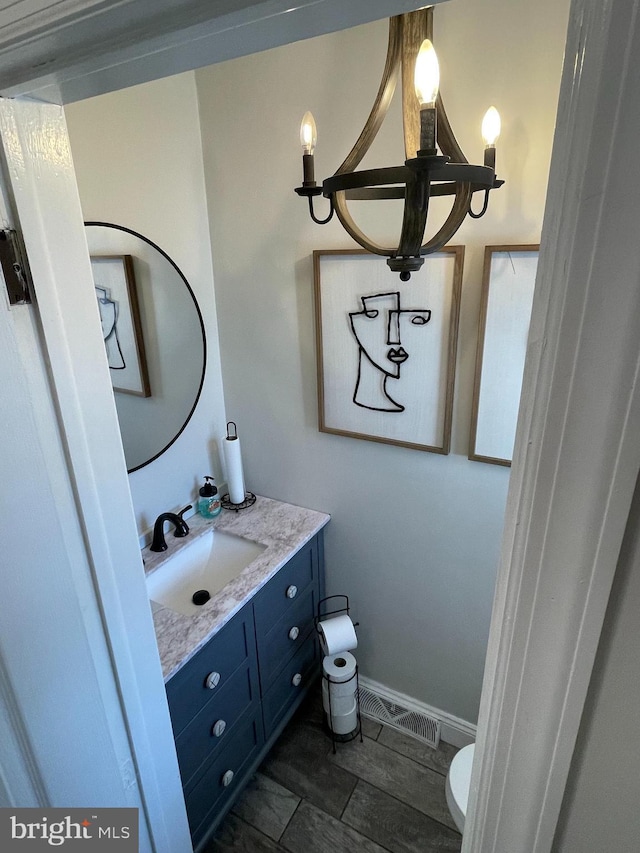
(339, 738)
(249, 500)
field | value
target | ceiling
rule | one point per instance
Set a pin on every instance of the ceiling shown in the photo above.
(66, 50)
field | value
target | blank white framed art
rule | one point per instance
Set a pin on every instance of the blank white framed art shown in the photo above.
(505, 314)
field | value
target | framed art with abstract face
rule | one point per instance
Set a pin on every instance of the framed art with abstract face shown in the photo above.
(386, 349)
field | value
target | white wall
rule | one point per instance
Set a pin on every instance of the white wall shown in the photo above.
(415, 536)
(138, 160)
(603, 790)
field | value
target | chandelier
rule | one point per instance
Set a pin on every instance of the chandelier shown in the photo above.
(435, 164)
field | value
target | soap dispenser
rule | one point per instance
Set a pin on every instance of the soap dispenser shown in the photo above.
(209, 501)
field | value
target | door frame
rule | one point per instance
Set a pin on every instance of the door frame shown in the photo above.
(576, 458)
(577, 454)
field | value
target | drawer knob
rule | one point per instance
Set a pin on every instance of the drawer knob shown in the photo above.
(292, 591)
(294, 633)
(218, 728)
(212, 680)
(227, 779)
(296, 680)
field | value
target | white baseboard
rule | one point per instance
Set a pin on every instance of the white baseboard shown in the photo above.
(453, 730)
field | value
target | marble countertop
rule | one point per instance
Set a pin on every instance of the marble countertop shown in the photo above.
(282, 528)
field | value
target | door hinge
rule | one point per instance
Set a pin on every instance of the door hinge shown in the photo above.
(15, 268)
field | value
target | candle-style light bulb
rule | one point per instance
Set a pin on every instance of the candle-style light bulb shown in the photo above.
(308, 139)
(427, 81)
(308, 133)
(490, 132)
(491, 126)
(427, 75)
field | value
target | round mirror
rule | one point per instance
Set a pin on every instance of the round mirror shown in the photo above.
(154, 337)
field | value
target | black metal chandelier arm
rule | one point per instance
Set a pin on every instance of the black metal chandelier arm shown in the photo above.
(484, 206)
(315, 218)
(443, 176)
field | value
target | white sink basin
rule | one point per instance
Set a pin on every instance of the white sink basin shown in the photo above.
(208, 563)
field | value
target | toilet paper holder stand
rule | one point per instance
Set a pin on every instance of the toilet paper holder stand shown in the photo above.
(320, 616)
(337, 738)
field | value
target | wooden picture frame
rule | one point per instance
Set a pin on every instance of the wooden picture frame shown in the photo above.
(505, 313)
(386, 349)
(117, 296)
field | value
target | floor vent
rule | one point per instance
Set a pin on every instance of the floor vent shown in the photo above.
(415, 723)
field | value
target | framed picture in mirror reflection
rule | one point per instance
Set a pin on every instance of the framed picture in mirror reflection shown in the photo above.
(117, 296)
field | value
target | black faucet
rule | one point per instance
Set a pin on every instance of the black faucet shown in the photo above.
(181, 528)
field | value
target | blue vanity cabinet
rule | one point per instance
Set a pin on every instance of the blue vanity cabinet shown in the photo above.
(230, 702)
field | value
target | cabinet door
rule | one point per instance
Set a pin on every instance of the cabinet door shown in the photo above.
(222, 777)
(204, 676)
(290, 684)
(215, 725)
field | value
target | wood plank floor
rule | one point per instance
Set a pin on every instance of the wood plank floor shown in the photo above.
(385, 795)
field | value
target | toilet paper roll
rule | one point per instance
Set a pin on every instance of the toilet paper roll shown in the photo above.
(337, 706)
(337, 635)
(346, 688)
(235, 474)
(340, 668)
(345, 723)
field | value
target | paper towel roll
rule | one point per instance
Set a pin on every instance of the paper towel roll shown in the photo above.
(235, 474)
(337, 635)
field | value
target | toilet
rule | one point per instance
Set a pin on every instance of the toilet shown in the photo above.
(458, 783)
